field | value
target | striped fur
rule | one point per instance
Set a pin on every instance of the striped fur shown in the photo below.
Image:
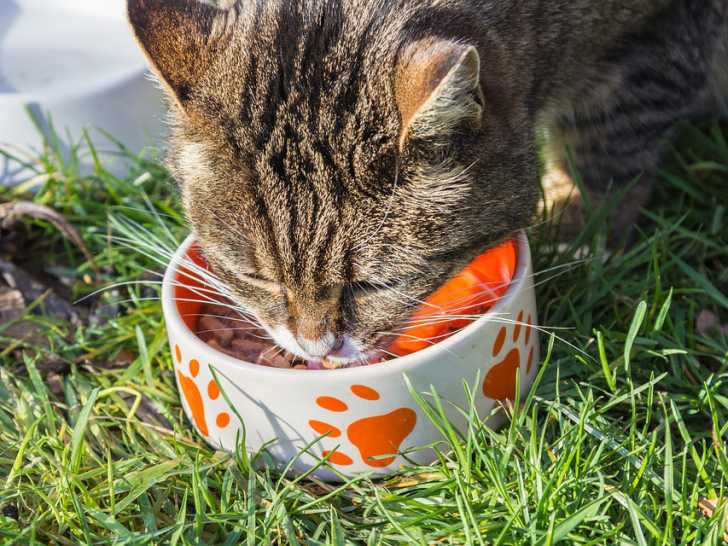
(340, 159)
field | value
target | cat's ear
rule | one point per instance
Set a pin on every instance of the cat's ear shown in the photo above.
(438, 91)
(180, 38)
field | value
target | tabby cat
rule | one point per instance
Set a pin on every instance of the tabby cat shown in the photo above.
(340, 159)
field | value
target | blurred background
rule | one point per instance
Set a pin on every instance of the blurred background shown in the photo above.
(72, 65)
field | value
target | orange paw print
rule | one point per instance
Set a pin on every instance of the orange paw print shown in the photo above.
(194, 397)
(374, 437)
(508, 352)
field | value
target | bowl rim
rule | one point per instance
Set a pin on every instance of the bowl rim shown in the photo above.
(390, 367)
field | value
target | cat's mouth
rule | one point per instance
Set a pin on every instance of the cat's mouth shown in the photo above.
(350, 353)
(364, 358)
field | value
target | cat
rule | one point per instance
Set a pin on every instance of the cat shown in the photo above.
(340, 159)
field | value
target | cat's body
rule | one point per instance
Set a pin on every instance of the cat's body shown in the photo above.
(339, 160)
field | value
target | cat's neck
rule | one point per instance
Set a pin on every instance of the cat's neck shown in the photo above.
(558, 44)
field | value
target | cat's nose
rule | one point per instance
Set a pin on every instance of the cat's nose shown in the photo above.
(321, 347)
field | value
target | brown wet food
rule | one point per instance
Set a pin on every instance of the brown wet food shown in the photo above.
(225, 331)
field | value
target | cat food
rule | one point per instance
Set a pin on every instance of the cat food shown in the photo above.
(222, 329)
(455, 305)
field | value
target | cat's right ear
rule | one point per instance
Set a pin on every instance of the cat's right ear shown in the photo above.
(179, 38)
(438, 90)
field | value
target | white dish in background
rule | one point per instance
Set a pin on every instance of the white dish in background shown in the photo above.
(77, 61)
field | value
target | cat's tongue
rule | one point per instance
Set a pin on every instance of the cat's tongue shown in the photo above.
(315, 364)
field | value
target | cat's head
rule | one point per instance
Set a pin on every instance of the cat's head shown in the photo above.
(338, 161)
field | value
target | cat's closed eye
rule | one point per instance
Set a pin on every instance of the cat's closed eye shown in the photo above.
(363, 289)
(262, 283)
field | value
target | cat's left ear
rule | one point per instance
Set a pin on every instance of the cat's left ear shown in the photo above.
(438, 90)
(180, 38)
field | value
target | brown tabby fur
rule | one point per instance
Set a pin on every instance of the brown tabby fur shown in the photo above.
(340, 159)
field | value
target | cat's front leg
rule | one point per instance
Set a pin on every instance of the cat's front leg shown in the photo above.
(617, 165)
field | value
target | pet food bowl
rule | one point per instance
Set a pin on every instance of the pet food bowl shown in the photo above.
(363, 419)
(72, 64)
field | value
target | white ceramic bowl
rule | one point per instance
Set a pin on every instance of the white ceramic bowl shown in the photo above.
(76, 61)
(368, 412)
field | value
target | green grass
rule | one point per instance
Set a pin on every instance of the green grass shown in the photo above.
(625, 433)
